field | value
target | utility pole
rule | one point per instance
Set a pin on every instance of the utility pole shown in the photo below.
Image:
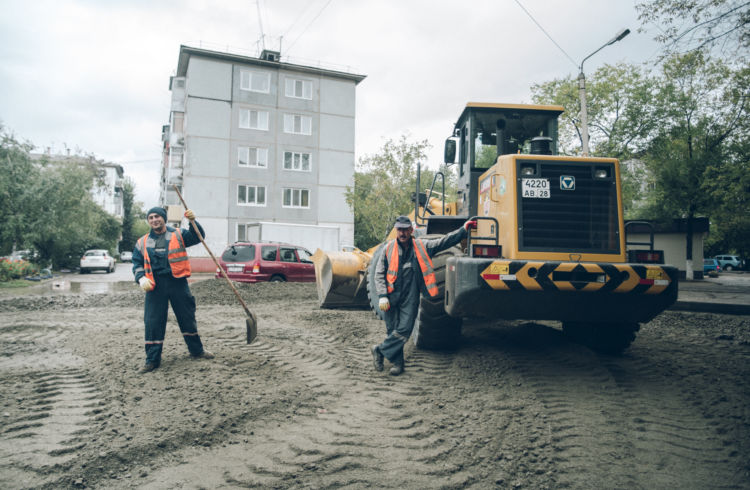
(582, 92)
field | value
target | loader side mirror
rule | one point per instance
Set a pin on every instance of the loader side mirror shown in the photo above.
(449, 153)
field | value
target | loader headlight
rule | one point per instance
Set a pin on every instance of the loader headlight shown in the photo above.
(528, 170)
(601, 173)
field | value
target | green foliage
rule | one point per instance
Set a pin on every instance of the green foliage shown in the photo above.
(129, 230)
(62, 233)
(17, 171)
(683, 132)
(48, 206)
(383, 187)
(620, 112)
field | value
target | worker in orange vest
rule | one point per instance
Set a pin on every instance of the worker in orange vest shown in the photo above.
(402, 273)
(161, 268)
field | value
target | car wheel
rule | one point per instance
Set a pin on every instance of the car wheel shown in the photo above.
(277, 279)
(83, 271)
(728, 267)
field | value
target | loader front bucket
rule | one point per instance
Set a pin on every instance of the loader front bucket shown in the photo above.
(341, 278)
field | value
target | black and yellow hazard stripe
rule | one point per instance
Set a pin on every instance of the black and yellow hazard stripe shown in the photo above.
(576, 276)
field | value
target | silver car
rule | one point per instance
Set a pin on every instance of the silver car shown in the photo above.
(729, 262)
(97, 260)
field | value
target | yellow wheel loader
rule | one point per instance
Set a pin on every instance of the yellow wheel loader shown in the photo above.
(550, 243)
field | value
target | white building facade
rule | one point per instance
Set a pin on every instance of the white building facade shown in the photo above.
(255, 140)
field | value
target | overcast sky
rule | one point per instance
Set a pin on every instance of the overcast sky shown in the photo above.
(93, 75)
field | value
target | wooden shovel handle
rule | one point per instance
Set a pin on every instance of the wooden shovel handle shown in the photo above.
(223, 272)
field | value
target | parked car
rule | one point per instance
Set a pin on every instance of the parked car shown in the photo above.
(267, 261)
(729, 262)
(711, 267)
(97, 260)
(126, 256)
(19, 256)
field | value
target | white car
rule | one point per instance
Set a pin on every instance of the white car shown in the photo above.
(126, 256)
(97, 260)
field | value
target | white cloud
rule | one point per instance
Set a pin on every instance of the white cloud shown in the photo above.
(94, 74)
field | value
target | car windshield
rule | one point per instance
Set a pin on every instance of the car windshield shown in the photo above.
(239, 253)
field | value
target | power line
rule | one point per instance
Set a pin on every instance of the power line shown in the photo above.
(546, 33)
(309, 24)
(299, 17)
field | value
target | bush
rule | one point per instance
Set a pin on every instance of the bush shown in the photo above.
(16, 269)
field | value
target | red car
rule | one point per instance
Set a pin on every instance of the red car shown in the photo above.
(266, 261)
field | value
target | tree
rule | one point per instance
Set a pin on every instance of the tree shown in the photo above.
(701, 113)
(17, 171)
(61, 233)
(699, 25)
(129, 236)
(620, 112)
(383, 188)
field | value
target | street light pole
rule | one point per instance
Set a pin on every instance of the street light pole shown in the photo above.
(582, 92)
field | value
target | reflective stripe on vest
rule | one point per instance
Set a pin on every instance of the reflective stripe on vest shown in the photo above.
(176, 256)
(425, 265)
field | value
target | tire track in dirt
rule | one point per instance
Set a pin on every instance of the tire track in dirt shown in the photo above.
(60, 406)
(609, 416)
(51, 403)
(360, 430)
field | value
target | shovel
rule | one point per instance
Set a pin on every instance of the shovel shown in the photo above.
(251, 323)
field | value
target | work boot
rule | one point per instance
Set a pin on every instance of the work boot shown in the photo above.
(204, 355)
(148, 367)
(398, 368)
(377, 358)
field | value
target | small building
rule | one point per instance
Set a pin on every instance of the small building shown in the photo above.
(671, 238)
(256, 140)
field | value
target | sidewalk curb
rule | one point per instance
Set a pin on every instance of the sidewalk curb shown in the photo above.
(699, 306)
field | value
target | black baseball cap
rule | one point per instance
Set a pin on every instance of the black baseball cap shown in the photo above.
(402, 222)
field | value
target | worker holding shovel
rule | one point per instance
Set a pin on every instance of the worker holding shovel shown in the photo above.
(161, 269)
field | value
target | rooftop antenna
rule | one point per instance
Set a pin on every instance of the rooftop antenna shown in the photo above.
(260, 22)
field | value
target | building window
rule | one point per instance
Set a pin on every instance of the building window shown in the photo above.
(297, 124)
(296, 198)
(300, 89)
(297, 161)
(251, 195)
(252, 157)
(255, 81)
(252, 119)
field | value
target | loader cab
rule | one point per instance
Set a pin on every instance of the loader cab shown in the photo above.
(485, 130)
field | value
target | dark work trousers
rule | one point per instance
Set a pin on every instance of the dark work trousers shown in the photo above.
(175, 291)
(399, 323)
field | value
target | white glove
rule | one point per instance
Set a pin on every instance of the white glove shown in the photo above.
(189, 214)
(384, 304)
(146, 284)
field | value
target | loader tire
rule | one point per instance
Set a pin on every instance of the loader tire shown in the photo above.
(605, 338)
(372, 293)
(434, 328)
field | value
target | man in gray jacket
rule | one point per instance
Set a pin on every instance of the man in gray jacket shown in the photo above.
(403, 272)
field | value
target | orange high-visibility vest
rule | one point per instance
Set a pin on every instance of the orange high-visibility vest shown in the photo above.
(425, 264)
(176, 255)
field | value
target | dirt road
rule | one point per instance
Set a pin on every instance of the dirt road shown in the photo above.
(515, 406)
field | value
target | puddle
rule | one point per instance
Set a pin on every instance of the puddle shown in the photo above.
(55, 287)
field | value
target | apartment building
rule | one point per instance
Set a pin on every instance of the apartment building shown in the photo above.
(107, 187)
(254, 140)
